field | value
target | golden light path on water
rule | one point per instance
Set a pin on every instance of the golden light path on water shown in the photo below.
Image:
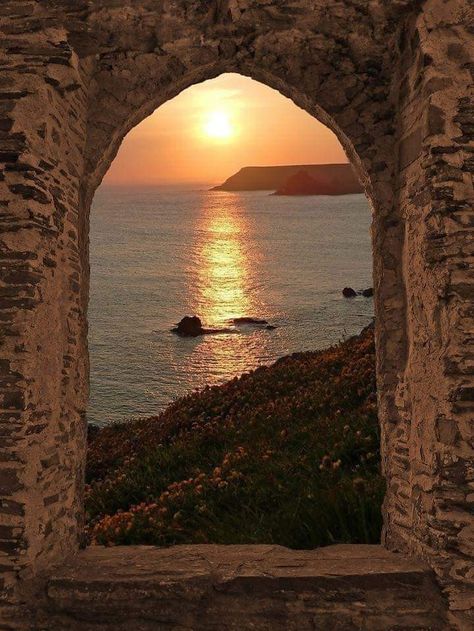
(223, 275)
(226, 287)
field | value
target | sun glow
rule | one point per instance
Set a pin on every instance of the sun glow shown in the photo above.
(218, 125)
(222, 258)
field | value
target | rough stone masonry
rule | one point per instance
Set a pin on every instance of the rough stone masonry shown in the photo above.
(394, 80)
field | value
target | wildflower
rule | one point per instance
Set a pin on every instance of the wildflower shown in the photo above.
(326, 462)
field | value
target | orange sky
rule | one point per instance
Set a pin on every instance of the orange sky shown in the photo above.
(211, 130)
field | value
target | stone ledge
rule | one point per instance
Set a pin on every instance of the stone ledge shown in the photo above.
(208, 587)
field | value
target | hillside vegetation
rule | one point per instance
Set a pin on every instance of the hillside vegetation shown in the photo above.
(287, 454)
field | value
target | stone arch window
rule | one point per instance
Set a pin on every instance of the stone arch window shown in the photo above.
(393, 80)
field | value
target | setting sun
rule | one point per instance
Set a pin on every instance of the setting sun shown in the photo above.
(218, 125)
(213, 129)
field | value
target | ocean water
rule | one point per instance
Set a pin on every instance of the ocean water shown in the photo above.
(158, 254)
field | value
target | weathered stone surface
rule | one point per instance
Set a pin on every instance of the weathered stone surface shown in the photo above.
(393, 79)
(243, 587)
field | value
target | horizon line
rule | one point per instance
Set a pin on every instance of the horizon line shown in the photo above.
(213, 183)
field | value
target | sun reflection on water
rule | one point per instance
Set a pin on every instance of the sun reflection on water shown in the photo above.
(223, 257)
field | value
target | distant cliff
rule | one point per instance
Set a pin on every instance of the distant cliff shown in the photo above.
(334, 179)
(303, 184)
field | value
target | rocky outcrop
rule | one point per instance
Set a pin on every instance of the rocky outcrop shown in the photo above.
(191, 326)
(249, 320)
(348, 292)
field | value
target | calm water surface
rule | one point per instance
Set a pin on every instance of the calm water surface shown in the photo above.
(158, 254)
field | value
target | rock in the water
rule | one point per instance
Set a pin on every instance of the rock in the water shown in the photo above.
(368, 293)
(190, 326)
(248, 320)
(348, 292)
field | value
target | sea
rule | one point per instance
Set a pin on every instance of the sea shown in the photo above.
(160, 253)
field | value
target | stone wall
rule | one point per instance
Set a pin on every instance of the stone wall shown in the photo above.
(393, 79)
(429, 449)
(43, 104)
(234, 588)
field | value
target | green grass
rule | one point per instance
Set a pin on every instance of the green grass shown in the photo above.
(288, 454)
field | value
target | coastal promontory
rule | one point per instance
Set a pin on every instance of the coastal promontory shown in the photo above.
(329, 179)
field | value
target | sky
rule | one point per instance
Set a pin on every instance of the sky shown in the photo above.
(213, 129)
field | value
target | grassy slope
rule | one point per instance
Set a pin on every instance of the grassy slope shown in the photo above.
(287, 454)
